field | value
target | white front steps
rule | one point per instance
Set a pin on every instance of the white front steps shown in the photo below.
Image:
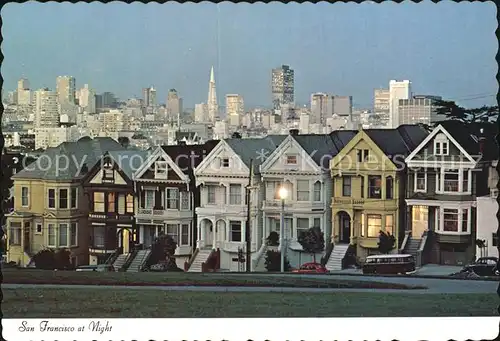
(138, 261)
(119, 261)
(200, 258)
(335, 261)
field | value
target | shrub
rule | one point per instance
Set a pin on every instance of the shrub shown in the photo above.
(386, 242)
(273, 261)
(312, 241)
(49, 259)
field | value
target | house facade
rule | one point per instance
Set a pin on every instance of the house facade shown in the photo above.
(52, 210)
(368, 177)
(223, 178)
(167, 195)
(447, 172)
(301, 165)
(486, 220)
(110, 191)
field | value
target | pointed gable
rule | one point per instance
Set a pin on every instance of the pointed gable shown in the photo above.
(159, 166)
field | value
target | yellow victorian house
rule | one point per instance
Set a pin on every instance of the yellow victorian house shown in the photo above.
(50, 208)
(369, 183)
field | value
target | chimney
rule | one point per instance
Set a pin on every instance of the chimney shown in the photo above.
(236, 135)
(294, 132)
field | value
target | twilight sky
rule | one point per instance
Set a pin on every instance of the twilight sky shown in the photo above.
(445, 49)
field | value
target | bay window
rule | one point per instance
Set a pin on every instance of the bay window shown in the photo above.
(52, 198)
(121, 204)
(374, 225)
(63, 235)
(235, 231)
(111, 202)
(98, 201)
(15, 233)
(210, 194)
(389, 224)
(98, 236)
(420, 182)
(302, 190)
(450, 220)
(235, 194)
(172, 198)
(74, 197)
(346, 186)
(51, 235)
(173, 231)
(374, 186)
(317, 191)
(465, 181)
(185, 196)
(465, 220)
(363, 226)
(302, 226)
(63, 198)
(451, 180)
(24, 196)
(149, 198)
(130, 203)
(184, 234)
(73, 234)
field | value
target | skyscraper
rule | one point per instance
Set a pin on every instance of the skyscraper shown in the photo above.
(282, 86)
(45, 108)
(419, 109)
(23, 92)
(149, 96)
(87, 99)
(174, 104)
(234, 109)
(321, 108)
(213, 108)
(397, 90)
(66, 88)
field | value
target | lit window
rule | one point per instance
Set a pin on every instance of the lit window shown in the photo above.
(98, 202)
(374, 224)
(389, 223)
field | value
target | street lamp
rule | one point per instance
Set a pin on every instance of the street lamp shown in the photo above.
(283, 193)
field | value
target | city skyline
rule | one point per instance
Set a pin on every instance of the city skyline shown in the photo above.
(242, 64)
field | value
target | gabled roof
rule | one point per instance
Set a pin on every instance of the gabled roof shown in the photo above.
(128, 161)
(51, 165)
(181, 155)
(400, 141)
(317, 146)
(256, 149)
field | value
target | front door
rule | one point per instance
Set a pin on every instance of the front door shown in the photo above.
(126, 240)
(345, 227)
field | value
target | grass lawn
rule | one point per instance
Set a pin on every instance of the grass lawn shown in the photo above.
(106, 303)
(33, 276)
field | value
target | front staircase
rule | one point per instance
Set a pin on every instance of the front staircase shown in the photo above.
(139, 260)
(200, 258)
(412, 246)
(335, 261)
(120, 261)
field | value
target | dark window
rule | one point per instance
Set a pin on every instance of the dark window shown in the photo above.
(362, 187)
(63, 198)
(52, 198)
(389, 188)
(346, 186)
(495, 239)
(73, 197)
(374, 187)
(235, 231)
(38, 228)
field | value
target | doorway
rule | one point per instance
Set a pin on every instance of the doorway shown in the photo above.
(345, 227)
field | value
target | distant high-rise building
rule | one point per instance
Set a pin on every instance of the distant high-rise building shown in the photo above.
(149, 97)
(23, 93)
(45, 108)
(342, 105)
(201, 113)
(108, 100)
(419, 109)
(87, 99)
(381, 101)
(174, 104)
(282, 86)
(66, 90)
(213, 107)
(234, 109)
(321, 108)
(397, 90)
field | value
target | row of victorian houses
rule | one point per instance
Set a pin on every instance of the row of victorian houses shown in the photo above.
(106, 203)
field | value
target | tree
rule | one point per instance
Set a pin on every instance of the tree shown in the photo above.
(49, 259)
(124, 141)
(273, 261)
(455, 112)
(386, 242)
(273, 239)
(312, 241)
(163, 250)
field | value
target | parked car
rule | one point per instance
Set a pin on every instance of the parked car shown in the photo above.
(86, 268)
(484, 266)
(311, 268)
(99, 268)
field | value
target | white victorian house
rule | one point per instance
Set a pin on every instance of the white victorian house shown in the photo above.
(301, 165)
(223, 177)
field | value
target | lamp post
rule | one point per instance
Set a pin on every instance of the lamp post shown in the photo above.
(283, 193)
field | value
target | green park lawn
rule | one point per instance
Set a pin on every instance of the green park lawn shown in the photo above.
(33, 276)
(152, 303)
